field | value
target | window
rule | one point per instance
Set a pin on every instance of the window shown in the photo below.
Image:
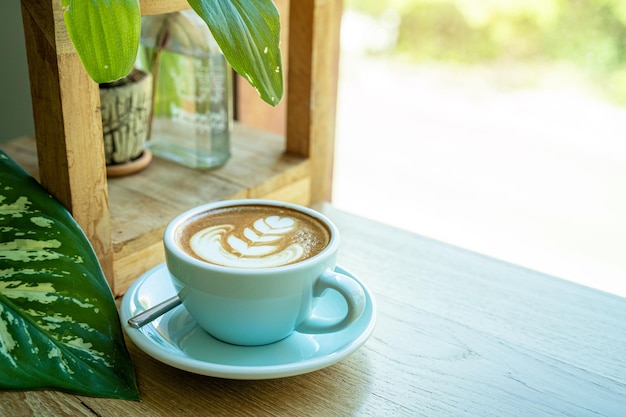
(498, 126)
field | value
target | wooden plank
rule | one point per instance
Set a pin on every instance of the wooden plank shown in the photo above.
(68, 128)
(312, 96)
(42, 403)
(36, 17)
(300, 78)
(136, 258)
(150, 7)
(257, 160)
(48, 16)
(459, 333)
(298, 192)
(327, 29)
(54, 29)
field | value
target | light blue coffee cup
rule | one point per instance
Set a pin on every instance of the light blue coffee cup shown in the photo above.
(258, 306)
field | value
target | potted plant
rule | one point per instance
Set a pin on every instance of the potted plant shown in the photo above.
(106, 35)
(125, 106)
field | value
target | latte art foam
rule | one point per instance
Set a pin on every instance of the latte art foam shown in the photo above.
(253, 236)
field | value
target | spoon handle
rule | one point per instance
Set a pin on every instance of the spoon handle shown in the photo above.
(152, 313)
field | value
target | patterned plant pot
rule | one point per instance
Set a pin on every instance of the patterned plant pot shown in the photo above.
(126, 105)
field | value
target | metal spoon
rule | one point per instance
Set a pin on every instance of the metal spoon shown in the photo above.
(152, 313)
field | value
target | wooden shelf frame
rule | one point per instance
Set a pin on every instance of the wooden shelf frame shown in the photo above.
(70, 156)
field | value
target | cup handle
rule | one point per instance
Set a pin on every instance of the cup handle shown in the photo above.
(351, 291)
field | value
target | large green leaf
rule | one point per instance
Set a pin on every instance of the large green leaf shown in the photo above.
(59, 327)
(105, 34)
(248, 32)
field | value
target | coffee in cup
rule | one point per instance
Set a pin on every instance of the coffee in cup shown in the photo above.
(249, 271)
(252, 236)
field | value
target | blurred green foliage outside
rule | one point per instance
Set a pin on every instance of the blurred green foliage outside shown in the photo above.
(590, 34)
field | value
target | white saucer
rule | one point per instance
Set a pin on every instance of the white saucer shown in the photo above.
(176, 339)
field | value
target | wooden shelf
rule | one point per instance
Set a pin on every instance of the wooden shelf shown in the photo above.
(142, 204)
(151, 7)
(124, 217)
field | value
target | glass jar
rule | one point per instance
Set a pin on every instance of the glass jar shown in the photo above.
(192, 109)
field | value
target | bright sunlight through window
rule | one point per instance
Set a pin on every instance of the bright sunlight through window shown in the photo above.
(494, 125)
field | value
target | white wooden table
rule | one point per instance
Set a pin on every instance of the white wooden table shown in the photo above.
(457, 334)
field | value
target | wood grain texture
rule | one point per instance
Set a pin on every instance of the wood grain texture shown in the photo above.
(312, 94)
(150, 7)
(42, 404)
(464, 334)
(458, 334)
(48, 16)
(66, 112)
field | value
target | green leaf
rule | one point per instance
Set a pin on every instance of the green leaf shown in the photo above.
(105, 34)
(248, 32)
(59, 327)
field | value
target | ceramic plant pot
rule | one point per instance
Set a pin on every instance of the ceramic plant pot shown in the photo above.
(126, 105)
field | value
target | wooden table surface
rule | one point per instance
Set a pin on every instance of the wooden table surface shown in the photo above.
(457, 334)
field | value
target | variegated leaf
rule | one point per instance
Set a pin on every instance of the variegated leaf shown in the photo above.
(59, 327)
